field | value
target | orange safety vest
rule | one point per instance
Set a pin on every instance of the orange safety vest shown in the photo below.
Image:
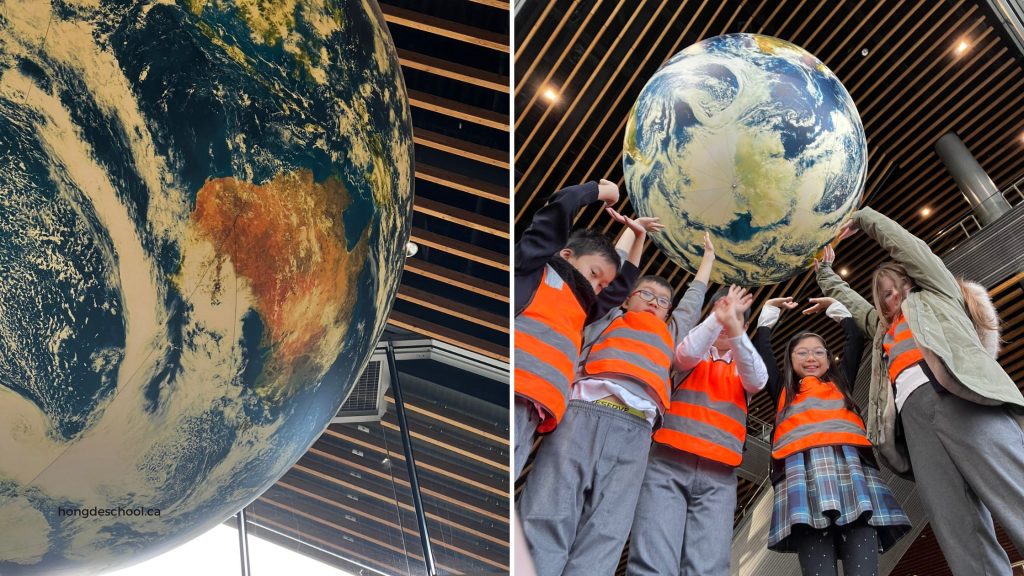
(708, 414)
(636, 345)
(549, 333)
(900, 349)
(818, 417)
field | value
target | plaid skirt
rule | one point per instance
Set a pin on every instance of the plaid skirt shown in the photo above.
(828, 486)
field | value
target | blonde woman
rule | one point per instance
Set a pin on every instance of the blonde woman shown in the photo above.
(940, 408)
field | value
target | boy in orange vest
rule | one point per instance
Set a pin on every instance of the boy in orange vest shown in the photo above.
(578, 502)
(684, 515)
(562, 282)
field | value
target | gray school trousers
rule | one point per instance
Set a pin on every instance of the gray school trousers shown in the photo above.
(968, 460)
(526, 423)
(683, 522)
(578, 502)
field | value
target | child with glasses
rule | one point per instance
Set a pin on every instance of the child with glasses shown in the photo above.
(830, 501)
(578, 502)
(684, 515)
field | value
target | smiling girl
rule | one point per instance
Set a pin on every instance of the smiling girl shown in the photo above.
(940, 409)
(830, 501)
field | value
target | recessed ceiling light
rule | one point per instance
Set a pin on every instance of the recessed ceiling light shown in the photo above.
(926, 211)
(962, 47)
(550, 95)
(864, 52)
(843, 271)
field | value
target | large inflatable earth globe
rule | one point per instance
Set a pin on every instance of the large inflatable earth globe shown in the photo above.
(754, 140)
(203, 213)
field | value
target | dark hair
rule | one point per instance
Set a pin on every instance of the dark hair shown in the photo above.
(656, 280)
(586, 241)
(791, 383)
(722, 293)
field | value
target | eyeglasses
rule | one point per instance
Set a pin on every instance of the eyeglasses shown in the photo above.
(804, 354)
(648, 296)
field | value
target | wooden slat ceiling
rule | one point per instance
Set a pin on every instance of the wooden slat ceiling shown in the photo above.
(455, 59)
(350, 496)
(911, 88)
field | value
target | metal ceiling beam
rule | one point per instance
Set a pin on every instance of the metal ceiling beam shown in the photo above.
(445, 334)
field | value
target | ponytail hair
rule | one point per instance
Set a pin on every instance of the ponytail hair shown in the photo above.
(983, 315)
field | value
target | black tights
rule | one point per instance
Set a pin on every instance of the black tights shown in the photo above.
(855, 544)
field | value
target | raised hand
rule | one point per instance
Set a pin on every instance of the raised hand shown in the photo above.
(741, 299)
(722, 309)
(819, 305)
(827, 257)
(849, 229)
(648, 224)
(739, 302)
(786, 303)
(615, 215)
(709, 248)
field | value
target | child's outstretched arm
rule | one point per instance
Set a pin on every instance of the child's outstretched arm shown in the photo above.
(927, 269)
(631, 245)
(770, 313)
(687, 311)
(698, 341)
(551, 225)
(749, 366)
(835, 310)
(833, 286)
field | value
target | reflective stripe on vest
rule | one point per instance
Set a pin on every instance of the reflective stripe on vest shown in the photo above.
(708, 414)
(901, 350)
(548, 335)
(637, 345)
(818, 417)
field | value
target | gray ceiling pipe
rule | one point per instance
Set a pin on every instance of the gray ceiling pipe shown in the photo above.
(986, 201)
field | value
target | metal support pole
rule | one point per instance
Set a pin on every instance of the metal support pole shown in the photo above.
(410, 462)
(243, 541)
(986, 201)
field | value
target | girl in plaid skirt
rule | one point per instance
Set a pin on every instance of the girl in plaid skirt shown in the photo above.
(830, 501)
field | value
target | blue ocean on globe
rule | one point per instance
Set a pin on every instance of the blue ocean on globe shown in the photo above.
(204, 206)
(754, 140)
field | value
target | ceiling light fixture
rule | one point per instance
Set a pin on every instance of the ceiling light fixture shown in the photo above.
(550, 95)
(843, 271)
(962, 47)
(926, 211)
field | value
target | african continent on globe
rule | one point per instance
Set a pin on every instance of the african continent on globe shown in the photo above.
(204, 206)
(754, 140)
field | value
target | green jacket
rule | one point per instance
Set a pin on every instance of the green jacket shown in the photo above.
(941, 327)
